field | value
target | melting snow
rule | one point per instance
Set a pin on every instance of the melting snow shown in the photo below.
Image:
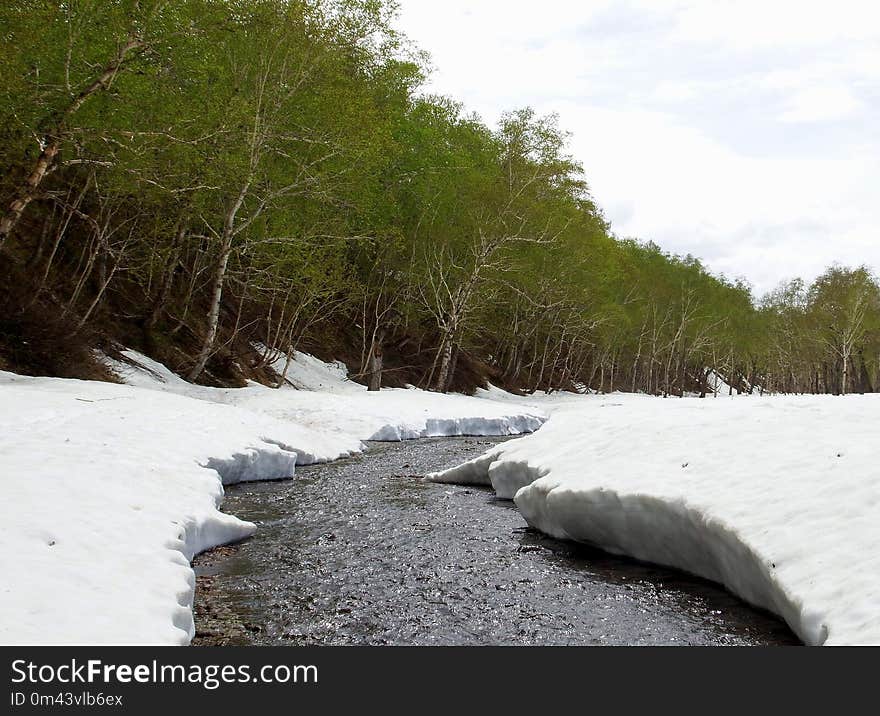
(109, 490)
(776, 498)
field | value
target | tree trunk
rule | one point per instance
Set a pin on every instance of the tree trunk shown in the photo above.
(445, 362)
(456, 352)
(288, 359)
(106, 277)
(865, 385)
(28, 190)
(217, 282)
(213, 313)
(36, 258)
(374, 382)
(167, 280)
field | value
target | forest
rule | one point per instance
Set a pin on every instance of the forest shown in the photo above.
(219, 183)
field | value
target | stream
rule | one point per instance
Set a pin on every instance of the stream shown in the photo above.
(365, 551)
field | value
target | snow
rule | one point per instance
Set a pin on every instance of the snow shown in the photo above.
(110, 490)
(309, 373)
(719, 385)
(775, 498)
(341, 405)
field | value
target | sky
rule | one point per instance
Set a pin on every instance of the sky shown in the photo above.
(746, 133)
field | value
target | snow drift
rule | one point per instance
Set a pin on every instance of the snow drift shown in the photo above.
(109, 490)
(778, 499)
(323, 398)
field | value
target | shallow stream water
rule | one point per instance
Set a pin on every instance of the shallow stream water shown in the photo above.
(365, 551)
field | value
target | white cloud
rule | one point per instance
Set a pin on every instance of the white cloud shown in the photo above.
(821, 104)
(741, 132)
(751, 24)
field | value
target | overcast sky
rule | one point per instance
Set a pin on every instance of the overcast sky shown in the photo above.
(746, 133)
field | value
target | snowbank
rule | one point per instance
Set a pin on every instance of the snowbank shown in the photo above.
(109, 490)
(778, 499)
(718, 385)
(341, 405)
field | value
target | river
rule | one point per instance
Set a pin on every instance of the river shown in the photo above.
(365, 551)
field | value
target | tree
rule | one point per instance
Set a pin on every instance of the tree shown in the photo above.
(843, 305)
(74, 52)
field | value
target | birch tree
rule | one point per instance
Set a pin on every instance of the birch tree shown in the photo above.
(75, 52)
(843, 303)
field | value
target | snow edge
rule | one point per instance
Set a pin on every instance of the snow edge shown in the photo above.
(593, 517)
(276, 461)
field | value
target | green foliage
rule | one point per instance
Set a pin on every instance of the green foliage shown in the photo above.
(286, 148)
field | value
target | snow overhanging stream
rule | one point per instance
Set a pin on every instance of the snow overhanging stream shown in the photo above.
(775, 499)
(665, 532)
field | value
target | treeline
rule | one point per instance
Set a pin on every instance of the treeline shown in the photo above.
(825, 337)
(221, 182)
